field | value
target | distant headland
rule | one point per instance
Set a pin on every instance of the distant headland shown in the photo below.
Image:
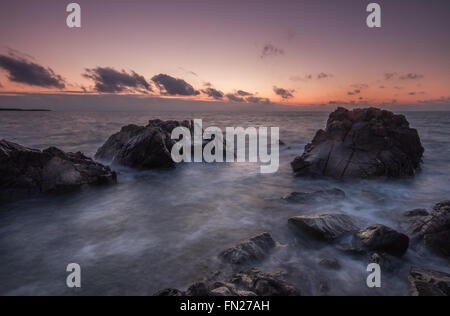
(23, 110)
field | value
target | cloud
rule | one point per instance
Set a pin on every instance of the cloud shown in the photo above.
(258, 100)
(417, 93)
(213, 93)
(323, 75)
(234, 98)
(189, 72)
(22, 71)
(302, 79)
(283, 93)
(354, 92)
(270, 50)
(389, 75)
(172, 86)
(244, 93)
(109, 80)
(411, 76)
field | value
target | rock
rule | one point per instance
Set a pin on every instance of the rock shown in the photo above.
(315, 197)
(26, 173)
(250, 251)
(250, 283)
(140, 147)
(416, 213)
(329, 263)
(325, 227)
(382, 238)
(169, 292)
(429, 283)
(434, 230)
(363, 143)
(264, 284)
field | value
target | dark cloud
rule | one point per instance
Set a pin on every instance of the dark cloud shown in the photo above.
(354, 92)
(323, 75)
(300, 78)
(189, 72)
(235, 98)
(283, 93)
(258, 100)
(22, 71)
(411, 76)
(270, 50)
(109, 80)
(172, 86)
(389, 75)
(244, 93)
(213, 93)
(360, 86)
(417, 93)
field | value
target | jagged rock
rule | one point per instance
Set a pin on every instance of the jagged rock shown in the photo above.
(363, 143)
(326, 227)
(429, 283)
(250, 283)
(314, 197)
(26, 172)
(382, 238)
(416, 213)
(140, 147)
(250, 251)
(434, 230)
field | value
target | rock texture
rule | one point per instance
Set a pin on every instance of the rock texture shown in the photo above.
(26, 172)
(315, 197)
(363, 143)
(383, 239)
(429, 283)
(253, 250)
(326, 227)
(141, 147)
(434, 230)
(251, 283)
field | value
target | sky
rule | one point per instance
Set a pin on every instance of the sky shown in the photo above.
(224, 54)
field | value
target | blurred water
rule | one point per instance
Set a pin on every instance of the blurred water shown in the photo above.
(164, 229)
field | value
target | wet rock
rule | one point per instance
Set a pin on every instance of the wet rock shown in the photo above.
(363, 143)
(434, 230)
(326, 227)
(416, 213)
(329, 263)
(382, 238)
(253, 250)
(140, 147)
(250, 283)
(315, 197)
(25, 172)
(429, 283)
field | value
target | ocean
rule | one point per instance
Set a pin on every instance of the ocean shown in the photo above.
(160, 229)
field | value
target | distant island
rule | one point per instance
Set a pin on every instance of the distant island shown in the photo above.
(23, 110)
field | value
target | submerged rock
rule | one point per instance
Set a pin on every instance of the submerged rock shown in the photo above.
(326, 227)
(382, 238)
(434, 230)
(141, 147)
(363, 143)
(250, 251)
(429, 283)
(314, 197)
(26, 172)
(250, 283)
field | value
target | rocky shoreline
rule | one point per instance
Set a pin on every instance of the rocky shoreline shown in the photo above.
(363, 144)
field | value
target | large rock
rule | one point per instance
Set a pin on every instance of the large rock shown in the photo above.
(315, 197)
(141, 147)
(251, 283)
(434, 230)
(429, 283)
(326, 227)
(363, 143)
(26, 172)
(383, 239)
(250, 251)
